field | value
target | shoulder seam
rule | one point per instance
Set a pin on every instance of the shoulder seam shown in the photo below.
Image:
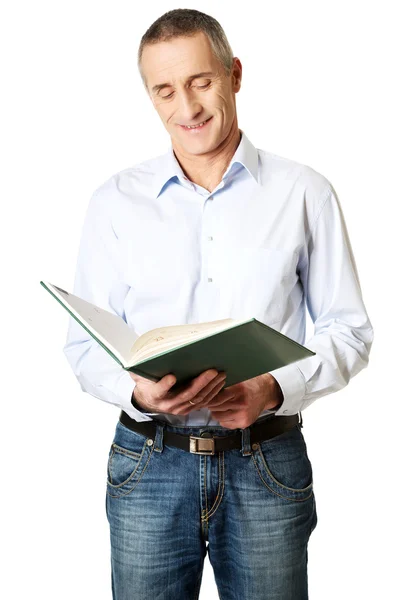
(312, 228)
(323, 202)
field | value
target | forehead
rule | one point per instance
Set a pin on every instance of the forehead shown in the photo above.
(178, 58)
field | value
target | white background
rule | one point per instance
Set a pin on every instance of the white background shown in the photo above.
(319, 87)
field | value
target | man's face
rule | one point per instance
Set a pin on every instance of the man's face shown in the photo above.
(184, 100)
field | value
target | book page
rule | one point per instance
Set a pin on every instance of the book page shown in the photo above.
(161, 339)
(109, 328)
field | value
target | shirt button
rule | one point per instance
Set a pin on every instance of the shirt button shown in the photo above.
(209, 279)
(211, 198)
(210, 238)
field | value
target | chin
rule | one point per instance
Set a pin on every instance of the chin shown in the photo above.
(196, 146)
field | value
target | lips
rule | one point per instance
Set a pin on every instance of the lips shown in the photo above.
(196, 128)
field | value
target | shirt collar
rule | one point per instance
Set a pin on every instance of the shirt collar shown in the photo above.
(168, 166)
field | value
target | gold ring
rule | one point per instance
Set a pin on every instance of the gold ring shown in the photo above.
(194, 403)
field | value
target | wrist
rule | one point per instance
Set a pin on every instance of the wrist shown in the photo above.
(274, 393)
(278, 393)
(135, 403)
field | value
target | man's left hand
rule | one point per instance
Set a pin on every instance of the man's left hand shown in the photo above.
(239, 405)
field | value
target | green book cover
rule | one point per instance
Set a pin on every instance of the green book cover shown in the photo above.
(242, 349)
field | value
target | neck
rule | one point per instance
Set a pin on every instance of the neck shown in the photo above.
(207, 169)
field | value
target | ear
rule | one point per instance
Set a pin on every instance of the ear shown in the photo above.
(236, 74)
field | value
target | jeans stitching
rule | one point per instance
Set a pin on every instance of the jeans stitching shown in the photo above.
(285, 487)
(273, 491)
(140, 477)
(118, 449)
(221, 486)
(129, 453)
(109, 464)
(134, 470)
(205, 487)
(314, 522)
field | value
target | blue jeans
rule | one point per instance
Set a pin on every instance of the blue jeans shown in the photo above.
(252, 509)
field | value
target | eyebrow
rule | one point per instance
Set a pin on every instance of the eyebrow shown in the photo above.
(160, 86)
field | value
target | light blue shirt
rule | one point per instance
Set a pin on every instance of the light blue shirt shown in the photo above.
(269, 241)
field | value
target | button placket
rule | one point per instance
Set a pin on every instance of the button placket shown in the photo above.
(206, 239)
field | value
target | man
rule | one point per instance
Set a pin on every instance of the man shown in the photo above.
(214, 228)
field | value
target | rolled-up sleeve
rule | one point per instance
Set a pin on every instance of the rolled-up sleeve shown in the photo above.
(98, 279)
(343, 333)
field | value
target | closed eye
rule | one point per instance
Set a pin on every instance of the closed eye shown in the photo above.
(200, 87)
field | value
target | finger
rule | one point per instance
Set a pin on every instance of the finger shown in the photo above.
(227, 404)
(136, 377)
(200, 382)
(222, 399)
(184, 392)
(164, 385)
(171, 402)
(187, 406)
(211, 390)
(214, 395)
(216, 384)
(227, 423)
(189, 393)
(222, 409)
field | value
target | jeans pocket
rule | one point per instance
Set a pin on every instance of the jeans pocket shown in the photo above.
(128, 458)
(284, 467)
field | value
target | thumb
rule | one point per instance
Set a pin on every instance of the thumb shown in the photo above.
(166, 383)
(137, 378)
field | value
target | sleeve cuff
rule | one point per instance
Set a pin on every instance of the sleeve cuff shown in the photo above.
(125, 387)
(293, 386)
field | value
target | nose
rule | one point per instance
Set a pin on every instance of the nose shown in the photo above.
(189, 108)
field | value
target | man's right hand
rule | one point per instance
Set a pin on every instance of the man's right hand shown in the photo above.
(156, 397)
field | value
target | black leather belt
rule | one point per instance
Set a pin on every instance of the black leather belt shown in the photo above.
(264, 429)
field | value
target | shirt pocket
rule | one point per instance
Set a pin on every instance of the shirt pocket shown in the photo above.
(258, 281)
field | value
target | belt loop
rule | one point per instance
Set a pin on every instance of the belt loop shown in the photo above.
(246, 450)
(159, 438)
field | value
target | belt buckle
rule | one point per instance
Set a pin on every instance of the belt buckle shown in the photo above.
(206, 445)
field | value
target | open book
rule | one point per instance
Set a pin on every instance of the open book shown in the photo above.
(242, 348)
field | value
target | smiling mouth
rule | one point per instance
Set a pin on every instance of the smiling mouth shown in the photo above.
(198, 126)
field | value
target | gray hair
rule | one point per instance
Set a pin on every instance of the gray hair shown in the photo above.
(186, 22)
